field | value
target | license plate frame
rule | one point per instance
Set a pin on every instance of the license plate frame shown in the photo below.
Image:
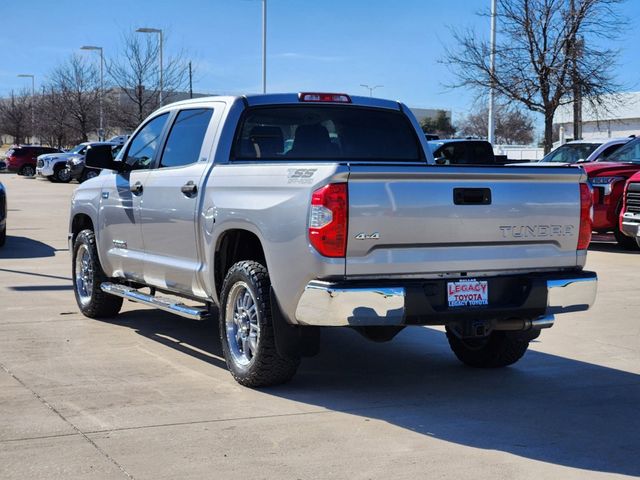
(468, 292)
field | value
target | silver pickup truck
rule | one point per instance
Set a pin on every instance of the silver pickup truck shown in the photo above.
(291, 212)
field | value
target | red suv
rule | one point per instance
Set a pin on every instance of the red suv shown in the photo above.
(22, 159)
(608, 180)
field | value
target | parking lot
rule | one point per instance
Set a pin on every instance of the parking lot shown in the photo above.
(147, 395)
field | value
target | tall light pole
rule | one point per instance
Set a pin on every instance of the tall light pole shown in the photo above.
(371, 89)
(91, 47)
(492, 67)
(33, 99)
(159, 32)
(264, 46)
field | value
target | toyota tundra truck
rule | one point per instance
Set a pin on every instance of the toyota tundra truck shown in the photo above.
(282, 215)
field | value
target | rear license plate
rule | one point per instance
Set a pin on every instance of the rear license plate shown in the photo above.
(471, 292)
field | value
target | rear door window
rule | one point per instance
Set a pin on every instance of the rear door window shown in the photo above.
(185, 139)
(304, 132)
(608, 151)
(481, 153)
(628, 153)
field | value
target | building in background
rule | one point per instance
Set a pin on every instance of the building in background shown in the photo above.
(620, 117)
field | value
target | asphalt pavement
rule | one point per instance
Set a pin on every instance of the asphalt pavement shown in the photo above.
(147, 395)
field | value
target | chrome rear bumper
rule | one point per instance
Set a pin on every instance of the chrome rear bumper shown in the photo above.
(329, 304)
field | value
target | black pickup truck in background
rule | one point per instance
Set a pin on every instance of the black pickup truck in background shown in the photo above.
(463, 151)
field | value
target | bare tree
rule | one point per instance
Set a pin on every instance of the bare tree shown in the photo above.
(136, 74)
(78, 82)
(513, 126)
(53, 117)
(15, 115)
(546, 51)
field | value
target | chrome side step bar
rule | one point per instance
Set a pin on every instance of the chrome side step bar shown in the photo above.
(166, 304)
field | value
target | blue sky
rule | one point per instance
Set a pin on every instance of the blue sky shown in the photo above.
(327, 45)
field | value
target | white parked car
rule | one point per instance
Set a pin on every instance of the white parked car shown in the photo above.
(582, 151)
(119, 139)
(54, 165)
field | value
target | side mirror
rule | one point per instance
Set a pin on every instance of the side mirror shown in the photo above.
(99, 156)
(441, 161)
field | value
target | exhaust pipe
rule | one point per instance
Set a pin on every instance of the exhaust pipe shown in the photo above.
(519, 324)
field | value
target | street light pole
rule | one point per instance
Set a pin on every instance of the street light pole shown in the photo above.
(492, 67)
(33, 99)
(90, 47)
(264, 46)
(371, 89)
(159, 32)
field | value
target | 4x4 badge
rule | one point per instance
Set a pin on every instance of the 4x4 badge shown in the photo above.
(370, 236)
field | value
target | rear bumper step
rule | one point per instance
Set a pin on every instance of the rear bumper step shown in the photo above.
(537, 297)
(166, 304)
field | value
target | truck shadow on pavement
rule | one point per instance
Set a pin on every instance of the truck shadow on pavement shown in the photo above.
(611, 248)
(546, 408)
(24, 247)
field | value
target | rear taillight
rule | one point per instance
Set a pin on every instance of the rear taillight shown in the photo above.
(586, 214)
(328, 220)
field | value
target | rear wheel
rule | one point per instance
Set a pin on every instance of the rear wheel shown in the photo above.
(88, 276)
(246, 328)
(61, 174)
(28, 171)
(499, 349)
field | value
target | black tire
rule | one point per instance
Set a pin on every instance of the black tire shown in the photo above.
(265, 367)
(92, 301)
(3, 236)
(27, 171)
(61, 174)
(499, 349)
(628, 243)
(87, 174)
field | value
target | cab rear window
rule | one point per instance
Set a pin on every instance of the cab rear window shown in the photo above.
(303, 132)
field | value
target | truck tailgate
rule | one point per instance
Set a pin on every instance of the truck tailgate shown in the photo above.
(437, 220)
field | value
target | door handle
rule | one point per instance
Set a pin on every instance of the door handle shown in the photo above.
(136, 188)
(189, 189)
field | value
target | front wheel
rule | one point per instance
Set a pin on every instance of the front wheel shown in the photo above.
(88, 276)
(88, 174)
(246, 328)
(499, 349)
(628, 243)
(61, 174)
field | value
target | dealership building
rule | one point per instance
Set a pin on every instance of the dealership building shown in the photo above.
(620, 117)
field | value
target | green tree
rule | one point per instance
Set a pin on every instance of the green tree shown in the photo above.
(440, 125)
